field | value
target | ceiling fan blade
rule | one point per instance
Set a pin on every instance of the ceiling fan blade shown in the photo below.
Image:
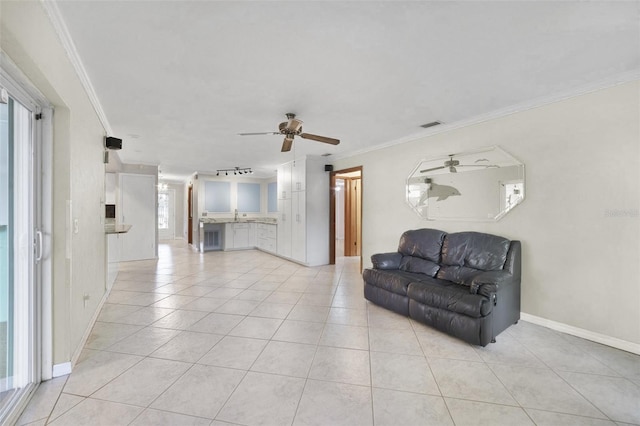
(286, 144)
(320, 138)
(259, 133)
(432, 169)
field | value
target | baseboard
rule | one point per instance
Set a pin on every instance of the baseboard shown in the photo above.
(61, 369)
(582, 333)
(87, 332)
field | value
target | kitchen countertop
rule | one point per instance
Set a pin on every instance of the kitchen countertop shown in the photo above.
(112, 228)
(268, 220)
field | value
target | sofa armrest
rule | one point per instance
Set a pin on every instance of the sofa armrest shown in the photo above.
(486, 283)
(386, 260)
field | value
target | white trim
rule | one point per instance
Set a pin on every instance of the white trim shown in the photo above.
(616, 80)
(19, 85)
(53, 12)
(61, 369)
(87, 332)
(46, 196)
(23, 91)
(582, 333)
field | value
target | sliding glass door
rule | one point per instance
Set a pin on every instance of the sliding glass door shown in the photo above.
(20, 252)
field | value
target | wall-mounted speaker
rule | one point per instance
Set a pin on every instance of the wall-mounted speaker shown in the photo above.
(328, 167)
(112, 143)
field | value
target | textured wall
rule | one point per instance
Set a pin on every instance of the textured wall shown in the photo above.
(78, 171)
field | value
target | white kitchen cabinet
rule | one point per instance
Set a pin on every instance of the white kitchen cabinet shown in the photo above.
(114, 245)
(239, 236)
(303, 211)
(298, 227)
(298, 175)
(266, 237)
(284, 181)
(284, 227)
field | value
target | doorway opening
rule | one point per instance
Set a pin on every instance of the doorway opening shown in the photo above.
(166, 213)
(346, 214)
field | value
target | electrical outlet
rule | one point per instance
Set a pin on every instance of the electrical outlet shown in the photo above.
(76, 227)
(85, 298)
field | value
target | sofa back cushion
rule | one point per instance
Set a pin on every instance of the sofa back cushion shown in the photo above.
(464, 254)
(422, 243)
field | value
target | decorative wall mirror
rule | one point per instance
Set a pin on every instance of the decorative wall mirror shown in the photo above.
(479, 185)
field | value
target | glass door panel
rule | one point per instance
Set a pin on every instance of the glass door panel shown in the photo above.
(6, 259)
(17, 259)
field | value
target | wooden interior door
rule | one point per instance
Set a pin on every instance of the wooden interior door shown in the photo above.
(190, 214)
(353, 213)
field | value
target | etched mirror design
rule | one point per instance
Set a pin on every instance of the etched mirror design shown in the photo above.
(481, 185)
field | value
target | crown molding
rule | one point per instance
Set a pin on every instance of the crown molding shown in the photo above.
(53, 12)
(612, 81)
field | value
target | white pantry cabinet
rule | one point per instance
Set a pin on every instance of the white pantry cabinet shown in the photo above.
(303, 211)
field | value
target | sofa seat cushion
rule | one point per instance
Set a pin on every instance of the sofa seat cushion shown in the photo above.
(395, 281)
(449, 296)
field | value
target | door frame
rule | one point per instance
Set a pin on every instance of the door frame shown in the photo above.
(332, 209)
(22, 90)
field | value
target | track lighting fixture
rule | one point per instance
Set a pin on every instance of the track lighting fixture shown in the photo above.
(236, 171)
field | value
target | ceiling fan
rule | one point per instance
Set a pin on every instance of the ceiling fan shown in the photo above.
(290, 128)
(452, 164)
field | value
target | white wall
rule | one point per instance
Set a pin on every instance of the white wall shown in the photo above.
(29, 39)
(579, 224)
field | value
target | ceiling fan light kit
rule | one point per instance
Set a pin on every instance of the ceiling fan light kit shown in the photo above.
(291, 128)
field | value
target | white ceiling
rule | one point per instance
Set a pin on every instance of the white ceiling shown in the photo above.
(179, 79)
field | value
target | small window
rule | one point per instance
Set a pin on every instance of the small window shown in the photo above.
(217, 197)
(249, 197)
(272, 197)
(163, 210)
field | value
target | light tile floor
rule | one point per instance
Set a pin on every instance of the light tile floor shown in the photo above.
(248, 338)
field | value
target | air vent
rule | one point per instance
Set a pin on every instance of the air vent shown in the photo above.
(433, 123)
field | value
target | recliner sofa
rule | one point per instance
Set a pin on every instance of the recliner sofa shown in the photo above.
(466, 284)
